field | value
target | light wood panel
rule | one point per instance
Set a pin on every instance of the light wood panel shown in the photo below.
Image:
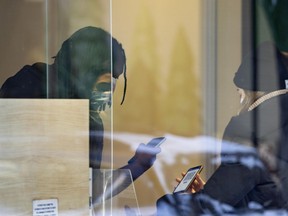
(44, 154)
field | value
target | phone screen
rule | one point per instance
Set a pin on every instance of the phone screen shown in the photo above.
(156, 141)
(187, 179)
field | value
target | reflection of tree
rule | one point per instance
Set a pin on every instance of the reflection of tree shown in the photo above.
(182, 101)
(139, 114)
(149, 107)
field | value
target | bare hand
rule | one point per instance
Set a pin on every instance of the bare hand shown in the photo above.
(197, 184)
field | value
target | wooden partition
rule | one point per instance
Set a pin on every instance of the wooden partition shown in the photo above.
(44, 156)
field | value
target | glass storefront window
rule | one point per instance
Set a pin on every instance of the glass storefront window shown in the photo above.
(85, 85)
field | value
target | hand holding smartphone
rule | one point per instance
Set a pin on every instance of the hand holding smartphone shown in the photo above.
(155, 142)
(188, 179)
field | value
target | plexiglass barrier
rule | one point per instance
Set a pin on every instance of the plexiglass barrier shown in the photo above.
(113, 193)
(174, 65)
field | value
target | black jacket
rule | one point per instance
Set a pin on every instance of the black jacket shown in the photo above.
(259, 172)
(253, 171)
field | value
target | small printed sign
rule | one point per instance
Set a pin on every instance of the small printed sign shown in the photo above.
(47, 207)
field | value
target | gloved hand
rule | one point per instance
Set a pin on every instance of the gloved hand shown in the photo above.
(145, 156)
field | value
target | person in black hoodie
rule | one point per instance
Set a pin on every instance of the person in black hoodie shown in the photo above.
(253, 173)
(86, 67)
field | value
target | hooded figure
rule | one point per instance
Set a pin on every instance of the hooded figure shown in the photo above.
(82, 59)
(86, 67)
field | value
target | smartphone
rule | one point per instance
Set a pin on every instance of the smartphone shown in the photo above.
(188, 179)
(155, 142)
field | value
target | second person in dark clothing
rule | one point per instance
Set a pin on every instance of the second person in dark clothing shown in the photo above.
(254, 160)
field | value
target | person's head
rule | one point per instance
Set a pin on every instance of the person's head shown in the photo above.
(261, 72)
(86, 58)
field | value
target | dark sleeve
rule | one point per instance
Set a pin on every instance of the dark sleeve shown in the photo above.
(239, 184)
(231, 183)
(241, 170)
(135, 169)
(27, 83)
